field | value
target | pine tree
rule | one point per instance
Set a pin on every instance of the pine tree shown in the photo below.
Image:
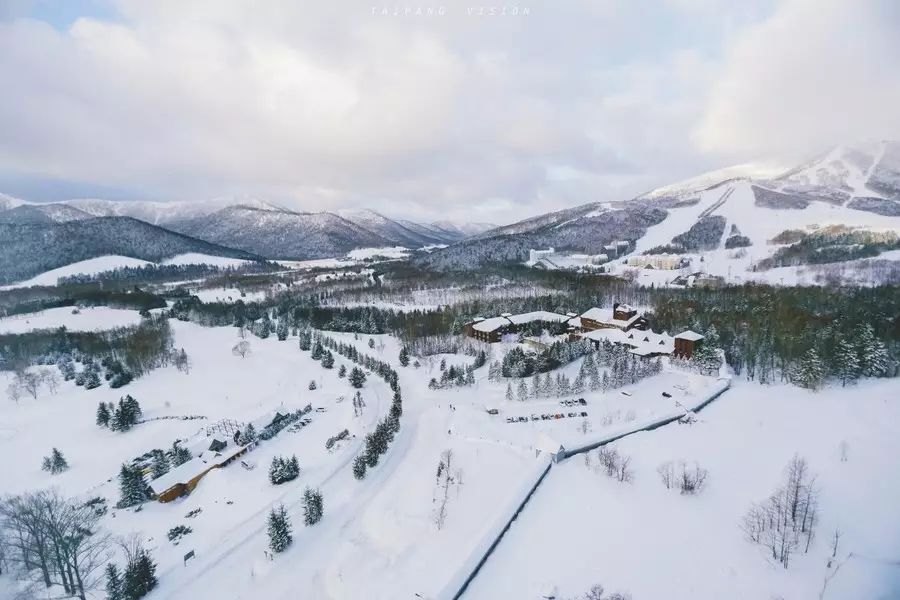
(873, 355)
(509, 392)
(103, 415)
(279, 529)
(523, 391)
(55, 463)
(160, 464)
(312, 384)
(180, 455)
(281, 330)
(357, 377)
(359, 466)
(810, 371)
(404, 356)
(371, 342)
(114, 584)
(276, 470)
(342, 371)
(312, 506)
(316, 350)
(140, 577)
(304, 340)
(846, 361)
(328, 359)
(248, 435)
(132, 489)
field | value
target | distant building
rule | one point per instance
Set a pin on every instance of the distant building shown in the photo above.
(492, 330)
(656, 261)
(551, 260)
(621, 316)
(686, 343)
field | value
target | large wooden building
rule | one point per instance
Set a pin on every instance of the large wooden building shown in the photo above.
(622, 316)
(686, 343)
(492, 330)
(184, 478)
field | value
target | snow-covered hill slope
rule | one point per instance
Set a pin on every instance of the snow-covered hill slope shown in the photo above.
(724, 221)
(281, 233)
(91, 266)
(395, 231)
(28, 249)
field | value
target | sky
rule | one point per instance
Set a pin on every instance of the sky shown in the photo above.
(455, 111)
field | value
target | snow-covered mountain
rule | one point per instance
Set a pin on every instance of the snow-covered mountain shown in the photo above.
(162, 213)
(29, 248)
(403, 233)
(280, 233)
(734, 211)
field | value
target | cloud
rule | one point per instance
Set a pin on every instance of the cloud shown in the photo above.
(812, 75)
(327, 105)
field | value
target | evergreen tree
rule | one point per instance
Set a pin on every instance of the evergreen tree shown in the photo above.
(103, 415)
(140, 577)
(248, 435)
(509, 392)
(281, 330)
(160, 464)
(132, 488)
(846, 361)
(55, 463)
(523, 391)
(317, 350)
(279, 529)
(371, 342)
(342, 371)
(304, 340)
(312, 384)
(328, 359)
(114, 584)
(810, 371)
(404, 356)
(873, 355)
(180, 455)
(359, 466)
(357, 377)
(312, 506)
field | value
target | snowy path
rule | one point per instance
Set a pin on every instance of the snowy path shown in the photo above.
(243, 545)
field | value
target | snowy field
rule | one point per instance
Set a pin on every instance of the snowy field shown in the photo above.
(652, 542)
(403, 531)
(196, 258)
(95, 318)
(91, 266)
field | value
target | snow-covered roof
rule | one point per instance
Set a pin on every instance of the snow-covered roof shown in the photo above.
(605, 315)
(642, 342)
(190, 469)
(182, 473)
(624, 307)
(492, 324)
(537, 315)
(597, 314)
(689, 335)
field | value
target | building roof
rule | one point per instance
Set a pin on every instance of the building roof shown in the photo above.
(605, 315)
(192, 468)
(492, 324)
(689, 335)
(538, 315)
(597, 314)
(642, 342)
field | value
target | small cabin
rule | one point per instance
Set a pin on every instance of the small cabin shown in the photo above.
(686, 343)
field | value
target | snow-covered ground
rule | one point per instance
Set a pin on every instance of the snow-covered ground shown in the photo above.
(380, 537)
(582, 527)
(195, 258)
(93, 318)
(91, 266)
(388, 252)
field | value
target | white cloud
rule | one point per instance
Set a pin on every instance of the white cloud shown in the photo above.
(812, 75)
(324, 105)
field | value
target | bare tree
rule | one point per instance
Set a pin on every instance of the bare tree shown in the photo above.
(14, 391)
(667, 474)
(50, 379)
(692, 478)
(241, 349)
(30, 382)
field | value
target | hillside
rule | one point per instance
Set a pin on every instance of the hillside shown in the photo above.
(726, 221)
(27, 249)
(281, 233)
